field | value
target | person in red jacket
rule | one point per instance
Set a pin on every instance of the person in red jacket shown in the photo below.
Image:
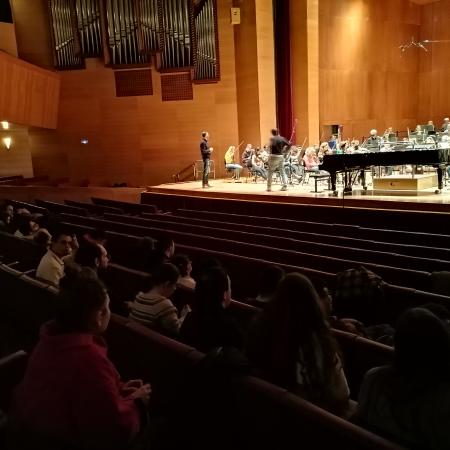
(72, 395)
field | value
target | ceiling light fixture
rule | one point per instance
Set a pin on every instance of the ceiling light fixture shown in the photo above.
(5, 125)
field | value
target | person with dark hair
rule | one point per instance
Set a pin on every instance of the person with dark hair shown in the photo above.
(269, 279)
(71, 395)
(154, 308)
(26, 226)
(205, 151)
(209, 325)
(409, 400)
(278, 149)
(92, 255)
(7, 218)
(184, 265)
(164, 250)
(43, 238)
(51, 266)
(291, 343)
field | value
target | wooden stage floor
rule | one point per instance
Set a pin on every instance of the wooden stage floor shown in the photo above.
(425, 200)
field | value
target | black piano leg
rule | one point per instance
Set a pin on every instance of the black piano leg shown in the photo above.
(441, 175)
(348, 182)
(333, 183)
(363, 179)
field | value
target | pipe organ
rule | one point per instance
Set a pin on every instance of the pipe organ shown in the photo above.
(178, 34)
(151, 25)
(207, 66)
(67, 52)
(89, 30)
(177, 50)
(124, 43)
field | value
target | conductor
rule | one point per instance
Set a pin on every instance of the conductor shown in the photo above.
(278, 149)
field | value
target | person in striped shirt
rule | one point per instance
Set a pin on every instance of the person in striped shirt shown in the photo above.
(153, 308)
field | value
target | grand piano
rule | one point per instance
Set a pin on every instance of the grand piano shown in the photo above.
(358, 162)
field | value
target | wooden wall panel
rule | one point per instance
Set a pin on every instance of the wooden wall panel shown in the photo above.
(8, 42)
(434, 92)
(266, 69)
(29, 95)
(138, 140)
(365, 82)
(33, 33)
(247, 74)
(16, 160)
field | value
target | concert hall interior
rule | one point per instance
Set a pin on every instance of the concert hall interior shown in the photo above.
(242, 207)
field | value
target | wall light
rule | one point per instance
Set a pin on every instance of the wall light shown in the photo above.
(5, 125)
(7, 141)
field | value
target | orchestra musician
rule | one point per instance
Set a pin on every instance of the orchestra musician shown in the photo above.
(205, 151)
(333, 142)
(311, 159)
(293, 167)
(324, 148)
(246, 157)
(265, 156)
(258, 164)
(373, 140)
(230, 164)
(445, 125)
(279, 145)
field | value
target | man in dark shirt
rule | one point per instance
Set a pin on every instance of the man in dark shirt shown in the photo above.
(278, 148)
(205, 151)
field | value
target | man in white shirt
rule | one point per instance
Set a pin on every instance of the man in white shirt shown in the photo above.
(51, 267)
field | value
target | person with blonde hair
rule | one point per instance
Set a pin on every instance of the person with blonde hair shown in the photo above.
(310, 159)
(230, 163)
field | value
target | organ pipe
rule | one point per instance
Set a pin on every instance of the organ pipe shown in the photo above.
(65, 34)
(207, 66)
(88, 18)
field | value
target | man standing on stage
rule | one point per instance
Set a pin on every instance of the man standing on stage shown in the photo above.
(206, 151)
(278, 148)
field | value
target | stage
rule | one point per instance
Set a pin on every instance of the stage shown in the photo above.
(423, 200)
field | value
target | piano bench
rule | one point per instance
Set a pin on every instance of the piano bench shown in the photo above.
(320, 176)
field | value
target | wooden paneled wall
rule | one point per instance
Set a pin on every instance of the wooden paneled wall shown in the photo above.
(34, 40)
(8, 42)
(434, 86)
(255, 72)
(29, 95)
(137, 140)
(365, 82)
(16, 160)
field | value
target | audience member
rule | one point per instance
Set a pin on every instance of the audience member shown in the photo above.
(51, 267)
(409, 401)
(43, 237)
(26, 226)
(71, 395)
(184, 265)
(92, 255)
(6, 218)
(153, 308)
(270, 277)
(164, 251)
(383, 333)
(209, 325)
(291, 343)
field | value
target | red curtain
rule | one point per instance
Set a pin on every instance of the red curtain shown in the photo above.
(283, 78)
